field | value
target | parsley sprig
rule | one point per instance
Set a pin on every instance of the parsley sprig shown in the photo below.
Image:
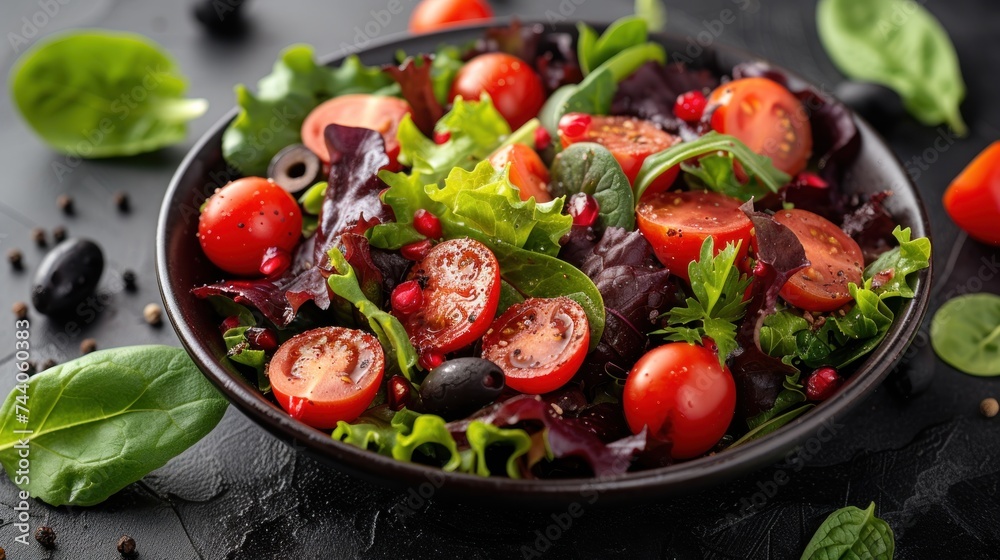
(717, 304)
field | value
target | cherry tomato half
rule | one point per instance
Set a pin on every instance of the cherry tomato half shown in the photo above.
(431, 15)
(244, 219)
(327, 375)
(514, 87)
(460, 279)
(682, 393)
(677, 223)
(835, 261)
(767, 118)
(973, 198)
(375, 112)
(527, 172)
(629, 139)
(538, 343)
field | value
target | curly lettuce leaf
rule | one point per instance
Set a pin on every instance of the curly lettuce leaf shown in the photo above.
(894, 273)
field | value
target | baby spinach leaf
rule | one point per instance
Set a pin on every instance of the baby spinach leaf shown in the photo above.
(894, 273)
(594, 50)
(590, 168)
(899, 44)
(653, 12)
(272, 119)
(101, 94)
(965, 333)
(852, 533)
(105, 420)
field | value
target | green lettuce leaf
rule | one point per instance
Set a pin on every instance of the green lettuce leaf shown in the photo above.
(894, 273)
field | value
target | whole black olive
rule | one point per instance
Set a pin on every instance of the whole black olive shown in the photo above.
(67, 276)
(461, 386)
(876, 104)
(295, 168)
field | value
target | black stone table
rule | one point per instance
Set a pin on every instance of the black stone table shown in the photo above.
(931, 463)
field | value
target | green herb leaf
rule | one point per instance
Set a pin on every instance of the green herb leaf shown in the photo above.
(756, 165)
(590, 168)
(790, 396)
(592, 51)
(895, 271)
(899, 44)
(718, 303)
(272, 119)
(716, 172)
(387, 328)
(965, 333)
(771, 425)
(100, 94)
(852, 533)
(105, 420)
(653, 12)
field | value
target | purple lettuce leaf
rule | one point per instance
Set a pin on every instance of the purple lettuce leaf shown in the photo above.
(414, 79)
(871, 225)
(551, 54)
(758, 376)
(651, 91)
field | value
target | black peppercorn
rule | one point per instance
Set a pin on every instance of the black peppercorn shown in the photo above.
(59, 234)
(20, 310)
(128, 279)
(49, 364)
(46, 537)
(65, 203)
(122, 201)
(16, 259)
(88, 345)
(39, 237)
(126, 547)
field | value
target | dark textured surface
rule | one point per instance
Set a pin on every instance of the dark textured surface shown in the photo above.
(930, 463)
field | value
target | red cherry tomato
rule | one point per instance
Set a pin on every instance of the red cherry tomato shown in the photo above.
(431, 15)
(767, 118)
(527, 172)
(973, 198)
(538, 343)
(376, 112)
(629, 139)
(514, 87)
(327, 375)
(682, 394)
(835, 261)
(677, 223)
(244, 219)
(461, 291)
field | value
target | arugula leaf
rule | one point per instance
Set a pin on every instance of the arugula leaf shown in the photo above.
(718, 303)
(390, 332)
(96, 94)
(295, 87)
(965, 333)
(852, 533)
(894, 273)
(771, 425)
(107, 419)
(870, 41)
(476, 128)
(756, 165)
(590, 168)
(717, 172)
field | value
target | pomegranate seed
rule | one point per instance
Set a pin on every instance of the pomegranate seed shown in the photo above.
(806, 179)
(690, 106)
(542, 138)
(584, 209)
(407, 297)
(430, 360)
(575, 125)
(417, 250)
(262, 339)
(400, 393)
(822, 384)
(441, 136)
(275, 262)
(427, 224)
(229, 323)
(759, 269)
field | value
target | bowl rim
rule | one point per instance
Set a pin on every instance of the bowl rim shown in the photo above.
(632, 486)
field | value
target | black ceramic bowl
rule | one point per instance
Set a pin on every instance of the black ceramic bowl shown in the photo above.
(180, 265)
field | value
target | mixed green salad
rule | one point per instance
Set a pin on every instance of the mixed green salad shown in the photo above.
(546, 256)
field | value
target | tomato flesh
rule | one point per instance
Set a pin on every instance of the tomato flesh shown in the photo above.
(683, 395)
(516, 90)
(629, 139)
(676, 224)
(375, 112)
(460, 281)
(431, 15)
(327, 375)
(245, 219)
(527, 172)
(539, 343)
(973, 198)
(766, 117)
(835, 261)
